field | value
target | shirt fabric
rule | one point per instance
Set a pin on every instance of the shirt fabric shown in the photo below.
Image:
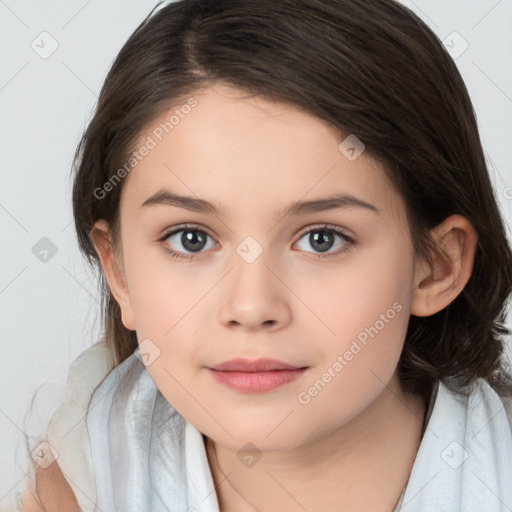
(123, 447)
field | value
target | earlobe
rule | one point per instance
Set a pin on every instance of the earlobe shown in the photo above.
(438, 285)
(112, 269)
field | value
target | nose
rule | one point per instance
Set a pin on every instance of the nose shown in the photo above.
(254, 296)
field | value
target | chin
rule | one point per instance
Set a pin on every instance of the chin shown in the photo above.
(264, 435)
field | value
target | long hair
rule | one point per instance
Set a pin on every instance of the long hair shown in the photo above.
(368, 67)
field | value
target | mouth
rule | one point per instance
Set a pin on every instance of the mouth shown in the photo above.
(255, 376)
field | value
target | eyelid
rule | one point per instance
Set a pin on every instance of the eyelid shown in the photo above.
(166, 233)
(328, 227)
(349, 244)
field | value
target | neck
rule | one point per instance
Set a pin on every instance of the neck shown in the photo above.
(363, 465)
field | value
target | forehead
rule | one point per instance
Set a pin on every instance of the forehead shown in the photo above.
(243, 152)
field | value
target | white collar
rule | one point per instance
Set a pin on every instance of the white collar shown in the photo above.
(147, 457)
(464, 462)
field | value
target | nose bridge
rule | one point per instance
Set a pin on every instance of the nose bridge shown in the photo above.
(254, 295)
(251, 265)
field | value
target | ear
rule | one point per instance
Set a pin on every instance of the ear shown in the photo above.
(436, 287)
(113, 271)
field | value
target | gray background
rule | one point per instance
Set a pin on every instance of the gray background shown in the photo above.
(50, 309)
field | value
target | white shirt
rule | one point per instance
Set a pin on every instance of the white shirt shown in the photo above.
(129, 450)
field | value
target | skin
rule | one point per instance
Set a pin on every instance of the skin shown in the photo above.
(253, 158)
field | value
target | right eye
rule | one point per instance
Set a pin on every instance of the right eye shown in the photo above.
(191, 239)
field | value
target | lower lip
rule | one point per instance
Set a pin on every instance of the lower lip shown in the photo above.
(256, 382)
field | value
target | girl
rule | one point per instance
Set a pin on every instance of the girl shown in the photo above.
(305, 273)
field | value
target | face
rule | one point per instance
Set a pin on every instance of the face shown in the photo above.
(324, 288)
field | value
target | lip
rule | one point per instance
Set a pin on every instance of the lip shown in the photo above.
(264, 364)
(255, 376)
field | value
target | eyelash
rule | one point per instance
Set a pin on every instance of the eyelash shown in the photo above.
(349, 241)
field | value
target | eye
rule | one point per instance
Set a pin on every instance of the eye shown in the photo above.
(183, 242)
(323, 239)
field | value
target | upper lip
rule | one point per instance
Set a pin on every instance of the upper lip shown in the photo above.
(253, 365)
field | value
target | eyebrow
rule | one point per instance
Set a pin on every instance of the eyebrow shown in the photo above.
(166, 197)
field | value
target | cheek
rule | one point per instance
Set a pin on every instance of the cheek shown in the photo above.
(163, 292)
(370, 288)
(168, 303)
(366, 309)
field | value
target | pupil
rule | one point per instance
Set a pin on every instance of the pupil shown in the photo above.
(190, 240)
(320, 240)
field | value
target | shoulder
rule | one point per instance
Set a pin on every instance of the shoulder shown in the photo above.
(507, 405)
(496, 400)
(63, 429)
(53, 493)
(481, 399)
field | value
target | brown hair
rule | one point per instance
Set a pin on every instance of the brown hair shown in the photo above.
(368, 67)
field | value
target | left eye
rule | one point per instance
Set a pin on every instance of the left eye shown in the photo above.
(323, 239)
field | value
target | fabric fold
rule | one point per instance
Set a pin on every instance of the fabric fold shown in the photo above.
(141, 462)
(200, 489)
(135, 452)
(464, 462)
